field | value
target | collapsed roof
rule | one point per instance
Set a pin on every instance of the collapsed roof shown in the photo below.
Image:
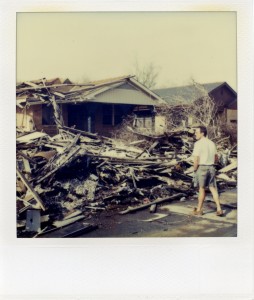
(119, 90)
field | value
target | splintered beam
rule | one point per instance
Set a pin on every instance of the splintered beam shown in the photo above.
(34, 193)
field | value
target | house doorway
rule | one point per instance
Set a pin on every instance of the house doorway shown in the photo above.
(82, 116)
(77, 116)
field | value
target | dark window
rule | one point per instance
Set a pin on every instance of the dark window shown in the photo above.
(112, 114)
(144, 122)
(118, 119)
(47, 115)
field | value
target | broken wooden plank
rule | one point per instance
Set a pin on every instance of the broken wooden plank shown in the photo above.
(225, 178)
(85, 133)
(59, 149)
(23, 200)
(45, 154)
(136, 142)
(72, 214)
(144, 151)
(28, 205)
(40, 232)
(148, 150)
(25, 208)
(153, 146)
(30, 137)
(26, 164)
(57, 113)
(34, 193)
(228, 168)
(39, 87)
(95, 208)
(60, 95)
(158, 201)
(27, 157)
(117, 160)
(63, 223)
(59, 162)
(31, 84)
(133, 178)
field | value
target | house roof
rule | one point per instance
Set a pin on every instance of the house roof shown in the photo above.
(99, 87)
(37, 92)
(189, 93)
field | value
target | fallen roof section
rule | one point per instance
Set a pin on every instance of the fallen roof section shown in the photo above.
(38, 92)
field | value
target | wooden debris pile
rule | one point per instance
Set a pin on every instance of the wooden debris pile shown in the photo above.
(75, 174)
(43, 90)
(59, 91)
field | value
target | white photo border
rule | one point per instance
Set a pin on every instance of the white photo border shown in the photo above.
(173, 268)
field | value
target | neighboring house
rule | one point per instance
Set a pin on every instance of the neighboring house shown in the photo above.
(97, 106)
(222, 94)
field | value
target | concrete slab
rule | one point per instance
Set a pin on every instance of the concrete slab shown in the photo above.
(229, 197)
(171, 220)
(156, 217)
(209, 212)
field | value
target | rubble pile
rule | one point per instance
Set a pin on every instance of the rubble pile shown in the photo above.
(75, 175)
(42, 90)
(59, 91)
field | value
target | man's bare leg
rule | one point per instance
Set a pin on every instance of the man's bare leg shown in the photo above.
(215, 197)
(201, 198)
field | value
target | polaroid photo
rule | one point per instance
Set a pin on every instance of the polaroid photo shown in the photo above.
(127, 159)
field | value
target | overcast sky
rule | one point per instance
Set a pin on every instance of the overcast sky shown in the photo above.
(94, 46)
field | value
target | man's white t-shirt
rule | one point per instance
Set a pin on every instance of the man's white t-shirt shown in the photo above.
(205, 149)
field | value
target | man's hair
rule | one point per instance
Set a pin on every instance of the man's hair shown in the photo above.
(203, 129)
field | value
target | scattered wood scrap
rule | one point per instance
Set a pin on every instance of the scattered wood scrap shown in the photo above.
(33, 192)
(158, 201)
(76, 174)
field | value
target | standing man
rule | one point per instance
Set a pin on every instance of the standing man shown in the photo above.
(205, 156)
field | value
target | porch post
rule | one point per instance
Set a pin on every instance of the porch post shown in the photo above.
(113, 114)
(89, 123)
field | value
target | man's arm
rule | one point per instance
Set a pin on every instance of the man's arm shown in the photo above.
(196, 163)
(196, 154)
(216, 156)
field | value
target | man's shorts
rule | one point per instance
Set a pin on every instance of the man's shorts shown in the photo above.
(205, 176)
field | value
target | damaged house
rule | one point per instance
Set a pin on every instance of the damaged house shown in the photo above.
(71, 181)
(97, 106)
(222, 94)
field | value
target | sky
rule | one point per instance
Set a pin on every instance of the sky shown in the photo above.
(98, 45)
